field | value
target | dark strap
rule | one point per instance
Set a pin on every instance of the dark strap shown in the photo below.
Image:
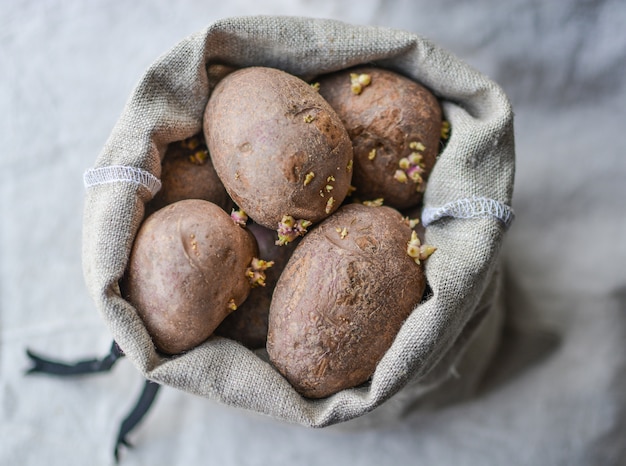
(89, 366)
(148, 394)
(42, 365)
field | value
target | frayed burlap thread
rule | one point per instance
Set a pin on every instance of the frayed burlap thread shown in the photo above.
(447, 341)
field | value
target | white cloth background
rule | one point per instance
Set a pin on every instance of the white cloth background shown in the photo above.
(556, 394)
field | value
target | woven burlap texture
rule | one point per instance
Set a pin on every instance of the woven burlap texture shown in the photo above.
(478, 162)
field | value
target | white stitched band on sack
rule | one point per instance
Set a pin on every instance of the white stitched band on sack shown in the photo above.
(470, 208)
(121, 173)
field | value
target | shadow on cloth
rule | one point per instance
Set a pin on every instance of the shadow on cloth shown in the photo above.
(526, 341)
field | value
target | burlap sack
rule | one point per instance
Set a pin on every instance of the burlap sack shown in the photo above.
(445, 345)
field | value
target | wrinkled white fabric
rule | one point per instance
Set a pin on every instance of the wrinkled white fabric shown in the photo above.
(553, 395)
(122, 174)
(475, 207)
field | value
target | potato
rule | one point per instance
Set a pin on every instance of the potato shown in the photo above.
(248, 324)
(342, 298)
(278, 147)
(187, 173)
(187, 272)
(395, 127)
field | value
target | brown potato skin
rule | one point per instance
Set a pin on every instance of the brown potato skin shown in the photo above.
(187, 262)
(182, 178)
(263, 147)
(339, 303)
(248, 324)
(389, 114)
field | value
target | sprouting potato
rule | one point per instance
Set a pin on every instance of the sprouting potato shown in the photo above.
(187, 173)
(188, 269)
(279, 148)
(338, 305)
(248, 324)
(395, 125)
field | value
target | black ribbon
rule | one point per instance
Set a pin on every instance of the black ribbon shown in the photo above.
(43, 365)
(148, 394)
(89, 366)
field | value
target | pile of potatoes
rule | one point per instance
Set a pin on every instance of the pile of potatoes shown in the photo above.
(291, 223)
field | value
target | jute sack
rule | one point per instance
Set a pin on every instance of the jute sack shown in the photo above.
(445, 345)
